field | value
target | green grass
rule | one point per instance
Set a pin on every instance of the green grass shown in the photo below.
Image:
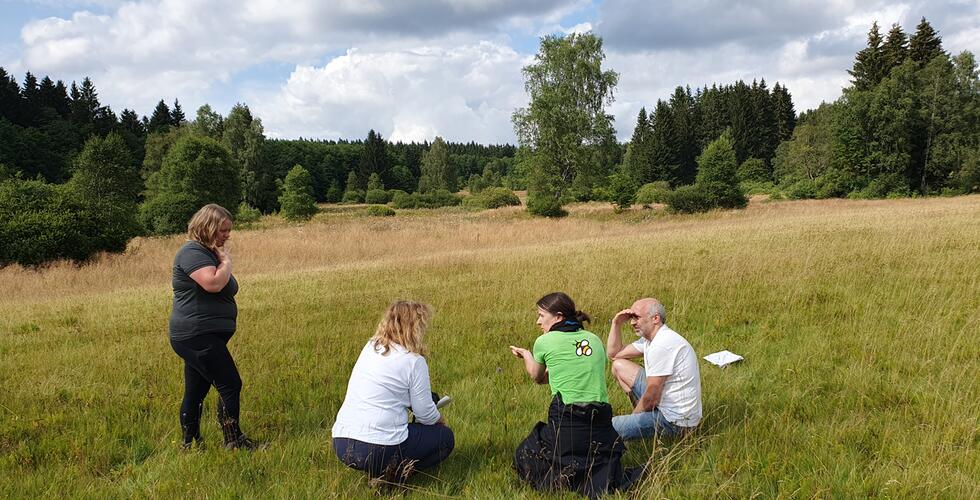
(858, 322)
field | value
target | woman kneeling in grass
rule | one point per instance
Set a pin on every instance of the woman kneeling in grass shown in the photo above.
(577, 449)
(391, 375)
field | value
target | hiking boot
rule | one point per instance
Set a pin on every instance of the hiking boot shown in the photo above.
(190, 426)
(234, 437)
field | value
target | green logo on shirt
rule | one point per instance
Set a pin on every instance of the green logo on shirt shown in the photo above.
(582, 348)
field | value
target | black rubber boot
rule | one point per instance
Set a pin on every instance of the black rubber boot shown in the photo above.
(190, 426)
(234, 437)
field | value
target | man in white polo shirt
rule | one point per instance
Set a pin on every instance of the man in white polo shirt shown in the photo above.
(666, 391)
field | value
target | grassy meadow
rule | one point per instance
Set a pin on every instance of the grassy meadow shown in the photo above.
(858, 321)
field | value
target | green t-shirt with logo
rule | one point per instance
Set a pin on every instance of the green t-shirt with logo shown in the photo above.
(576, 363)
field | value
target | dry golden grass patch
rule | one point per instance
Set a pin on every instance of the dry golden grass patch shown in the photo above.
(339, 239)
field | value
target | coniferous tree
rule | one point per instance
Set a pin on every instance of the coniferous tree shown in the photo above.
(84, 102)
(374, 158)
(896, 47)
(785, 113)
(869, 65)
(637, 161)
(741, 133)
(160, 119)
(30, 100)
(177, 117)
(11, 102)
(663, 146)
(925, 44)
(764, 136)
(62, 103)
(685, 132)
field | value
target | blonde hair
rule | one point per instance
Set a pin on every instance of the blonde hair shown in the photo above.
(404, 323)
(205, 224)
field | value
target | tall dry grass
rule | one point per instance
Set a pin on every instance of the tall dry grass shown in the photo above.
(857, 319)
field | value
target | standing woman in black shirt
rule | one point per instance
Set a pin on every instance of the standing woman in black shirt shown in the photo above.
(202, 322)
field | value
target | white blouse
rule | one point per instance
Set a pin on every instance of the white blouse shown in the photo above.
(379, 394)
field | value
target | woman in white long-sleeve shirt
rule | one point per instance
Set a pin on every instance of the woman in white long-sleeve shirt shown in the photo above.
(390, 377)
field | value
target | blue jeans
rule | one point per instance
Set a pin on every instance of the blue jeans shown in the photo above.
(425, 447)
(647, 424)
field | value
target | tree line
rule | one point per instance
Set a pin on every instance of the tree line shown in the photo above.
(908, 125)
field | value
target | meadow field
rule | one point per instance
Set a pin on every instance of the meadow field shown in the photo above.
(858, 320)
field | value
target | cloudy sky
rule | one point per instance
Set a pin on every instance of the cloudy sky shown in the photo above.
(413, 70)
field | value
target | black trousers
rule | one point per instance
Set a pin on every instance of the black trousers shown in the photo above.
(577, 450)
(207, 362)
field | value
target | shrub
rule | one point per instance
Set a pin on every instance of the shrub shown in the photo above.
(380, 211)
(401, 199)
(545, 205)
(689, 199)
(801, 189)
(437, 198)
(296, 201)
(376, 196)
(168, 212)
(724, 195)
(653, 192)
(246, 215)
(493, 197)
(40, 222)
(355, 196)
(623, 190)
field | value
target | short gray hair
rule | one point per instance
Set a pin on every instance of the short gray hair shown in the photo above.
(657, 308)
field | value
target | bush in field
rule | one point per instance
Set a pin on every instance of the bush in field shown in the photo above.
(195, 172)
(40, 222)
(493, 197)
(296, 201)
(246, 215)
(376, 196)
(689, 199)
(380, 211)
(716, 184)
(401, 199)
(653, 192)
(623, 189)
(437, 198)
(356, 196)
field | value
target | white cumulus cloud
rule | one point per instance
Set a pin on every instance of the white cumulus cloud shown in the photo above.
(460, 93)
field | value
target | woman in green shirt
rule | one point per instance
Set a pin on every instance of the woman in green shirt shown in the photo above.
(577, 449)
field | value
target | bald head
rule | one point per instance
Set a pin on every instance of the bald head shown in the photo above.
(650, 307)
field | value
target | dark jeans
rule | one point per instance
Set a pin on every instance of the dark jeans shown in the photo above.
(207, 362)
(425, 447)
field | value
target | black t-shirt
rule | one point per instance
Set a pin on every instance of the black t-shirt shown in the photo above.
(197, 311)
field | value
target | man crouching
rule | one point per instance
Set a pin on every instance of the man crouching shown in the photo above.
(666, 391)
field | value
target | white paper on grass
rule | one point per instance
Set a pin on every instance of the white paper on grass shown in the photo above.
(723, 358)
